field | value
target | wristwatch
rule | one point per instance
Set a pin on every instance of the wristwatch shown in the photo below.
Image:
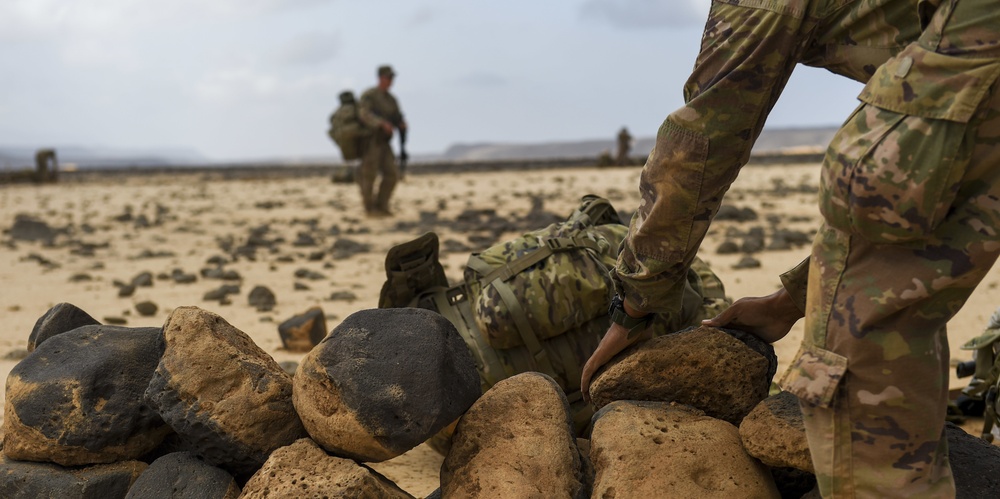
(634, 325)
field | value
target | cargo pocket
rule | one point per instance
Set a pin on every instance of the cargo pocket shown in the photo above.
(814, 375)
(894, 168)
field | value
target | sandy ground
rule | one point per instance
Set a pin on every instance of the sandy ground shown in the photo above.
(192, 216)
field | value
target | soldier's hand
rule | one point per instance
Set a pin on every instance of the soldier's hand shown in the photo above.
(613, 342)
(767, 317)
(387, 128)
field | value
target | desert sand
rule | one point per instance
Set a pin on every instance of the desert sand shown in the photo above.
(189, 218)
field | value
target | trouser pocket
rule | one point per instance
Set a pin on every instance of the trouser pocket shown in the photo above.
(814, 375)
(894, 168)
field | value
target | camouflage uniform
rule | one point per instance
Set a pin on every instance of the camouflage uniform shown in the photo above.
(377, 107)
(908, 193)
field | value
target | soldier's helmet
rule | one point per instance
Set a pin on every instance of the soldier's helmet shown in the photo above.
(347, 97)
(386, 71)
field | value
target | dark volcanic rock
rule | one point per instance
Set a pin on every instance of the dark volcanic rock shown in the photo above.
(28, 228)
(221, 293)
(262, 299)
(517, 440)
(78, 398)
(657, 449)
(58, 319)
(974, 463)
(146, 308)
(304, 470)
(227, 399)
(304, 331)
(722, 372)
(383, 381)
(26, 480)
(182, 475)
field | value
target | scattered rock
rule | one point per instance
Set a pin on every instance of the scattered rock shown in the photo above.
(115, 320)
(347, 296)
(146, 308)
(729, 212)
(181, 277)
(304, 331)
(658, 449)
(30, 229)
(722, 372)
(262, 298)
(182, 475)
(56, 320)
(312, 275)
(227, 399)
(728, 247)
(344, 248)
(516, 441)
(221, 293)
(126, 290)
(77, 399)
(753, 242)
(144, 279)
(747, 262)
(302, 469)
(383, 381)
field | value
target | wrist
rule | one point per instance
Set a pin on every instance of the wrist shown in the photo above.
(632, 320)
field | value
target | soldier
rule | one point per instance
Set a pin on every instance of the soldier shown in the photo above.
(379, 110)
(624, 145)
(908, 195)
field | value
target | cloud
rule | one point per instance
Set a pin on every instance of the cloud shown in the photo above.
(308, 49)
(647, 14)
(482, 79)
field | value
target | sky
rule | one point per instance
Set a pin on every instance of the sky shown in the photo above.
(239, 80)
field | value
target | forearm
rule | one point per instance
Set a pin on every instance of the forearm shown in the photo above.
(747, 56)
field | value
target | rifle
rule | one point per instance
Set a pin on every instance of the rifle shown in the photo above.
(402, 153)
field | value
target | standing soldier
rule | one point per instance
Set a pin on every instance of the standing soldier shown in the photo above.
(624, 146)
(911, 225)
(379, 110)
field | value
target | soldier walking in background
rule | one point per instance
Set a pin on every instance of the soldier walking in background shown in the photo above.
(624, 147)
(909, 197)
(379, 111)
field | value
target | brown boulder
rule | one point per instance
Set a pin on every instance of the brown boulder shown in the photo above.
(227, 399)
(658, 449)
(303, 470)
(304, 331)
(722, 372)
(774, 433)
(516, 441)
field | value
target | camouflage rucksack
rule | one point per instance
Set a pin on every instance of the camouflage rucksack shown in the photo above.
(346, 129)
(985, 383)
(415, 278)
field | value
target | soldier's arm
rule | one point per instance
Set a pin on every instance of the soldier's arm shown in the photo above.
(368, 112)
(746, 58)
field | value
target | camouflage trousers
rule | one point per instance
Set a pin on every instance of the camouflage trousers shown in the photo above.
(377, 160)
(898, 256)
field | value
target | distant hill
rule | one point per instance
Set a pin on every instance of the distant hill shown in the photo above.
(12, 158)
(770, 141)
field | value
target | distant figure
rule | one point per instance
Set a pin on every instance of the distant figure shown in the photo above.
(624, 146)
(46, 166)
(379, 110)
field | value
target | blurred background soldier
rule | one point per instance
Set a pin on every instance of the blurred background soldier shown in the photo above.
(379, 110)
(624, 146)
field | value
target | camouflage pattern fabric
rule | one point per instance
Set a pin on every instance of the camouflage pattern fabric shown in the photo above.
(348, 132)
(375, 108)
(873, 367)
(910, 196)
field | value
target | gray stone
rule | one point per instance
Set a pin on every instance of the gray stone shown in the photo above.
(975, 464)
(658, 449)
(78, 398)
(58, 319)
(774, 433)
(182, 475)
(227, 399)
(383, 381)
(517, 440)
(722, 372)
(303, 470)
(304, 331)
(27, 480)
(146, 308)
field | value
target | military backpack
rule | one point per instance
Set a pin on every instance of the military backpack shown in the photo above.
(985, 383)
(346, 129)
(538, 302)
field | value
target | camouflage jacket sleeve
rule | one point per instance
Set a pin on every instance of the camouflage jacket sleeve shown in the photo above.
(748, 53)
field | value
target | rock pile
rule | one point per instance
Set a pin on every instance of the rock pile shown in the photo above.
(196, 409)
